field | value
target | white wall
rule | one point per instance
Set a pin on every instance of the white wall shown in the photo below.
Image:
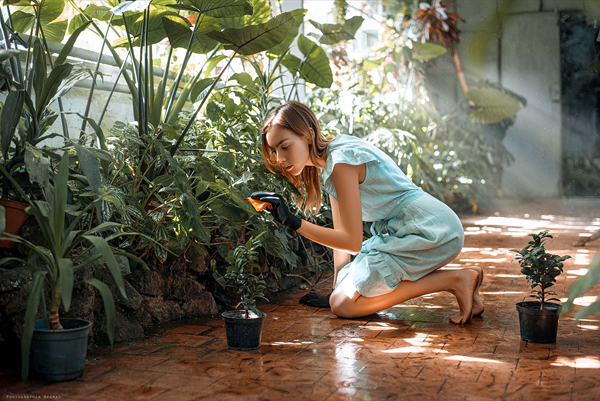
(522, 53)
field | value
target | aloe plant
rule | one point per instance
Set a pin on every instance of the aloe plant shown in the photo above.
(56, 265)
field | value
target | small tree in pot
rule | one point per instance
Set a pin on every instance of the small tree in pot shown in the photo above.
(244, 327)
(539, 319)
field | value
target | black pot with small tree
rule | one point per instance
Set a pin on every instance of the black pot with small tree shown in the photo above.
(538, 319)
(243, 326)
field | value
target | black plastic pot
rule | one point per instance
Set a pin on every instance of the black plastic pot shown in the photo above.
(538, 326)
(59, 355)
(243, 334)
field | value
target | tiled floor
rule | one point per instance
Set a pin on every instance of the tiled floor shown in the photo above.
(407, 352)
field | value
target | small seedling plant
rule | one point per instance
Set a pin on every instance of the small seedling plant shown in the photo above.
(540, 267)
(242, 261)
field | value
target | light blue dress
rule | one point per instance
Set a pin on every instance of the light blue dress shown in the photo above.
(414, 234)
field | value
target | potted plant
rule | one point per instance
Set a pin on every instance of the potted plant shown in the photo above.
(55, 348)
(243, 327)
(538, 319)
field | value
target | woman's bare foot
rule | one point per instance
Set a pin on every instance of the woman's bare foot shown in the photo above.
(478, 307)
(464, 290)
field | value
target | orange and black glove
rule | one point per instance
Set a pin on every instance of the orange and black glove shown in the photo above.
(279, 211)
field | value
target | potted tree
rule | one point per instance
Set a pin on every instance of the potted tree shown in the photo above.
(55, 348)
(243, 327)
(538, 319)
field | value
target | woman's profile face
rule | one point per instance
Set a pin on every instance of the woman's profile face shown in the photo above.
(290, 149)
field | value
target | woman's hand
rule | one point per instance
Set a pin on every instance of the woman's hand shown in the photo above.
(279, 211)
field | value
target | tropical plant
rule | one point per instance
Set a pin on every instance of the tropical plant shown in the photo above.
(540, 267)
(26, 115)
(69, 250)
(240, 275)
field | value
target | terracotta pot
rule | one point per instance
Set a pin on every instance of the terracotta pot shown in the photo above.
(15, 218)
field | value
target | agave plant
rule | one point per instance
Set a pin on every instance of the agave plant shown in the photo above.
(57, 264)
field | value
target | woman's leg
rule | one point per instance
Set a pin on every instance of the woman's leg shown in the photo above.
(478, 307)
(347, 302)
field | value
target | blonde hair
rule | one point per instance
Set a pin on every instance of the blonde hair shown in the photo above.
(299, 119)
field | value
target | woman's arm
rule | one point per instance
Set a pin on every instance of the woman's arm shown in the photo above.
(346, 236)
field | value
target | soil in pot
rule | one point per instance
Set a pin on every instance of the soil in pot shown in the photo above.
(538, 326)
(243, 334)
(59, 355)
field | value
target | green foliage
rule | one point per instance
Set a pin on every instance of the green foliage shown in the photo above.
(540, 267)
(57, 264)
(240, 275)
(580, 286)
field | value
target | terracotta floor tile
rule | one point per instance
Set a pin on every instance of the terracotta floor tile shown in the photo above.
(128, 377)
(190, 383)
(349, 393)
(279, 374)
(176, 352)
(134, 361)
(451, 371)
(90, 372)
(474, 389)
(68, 390)
(119, 392)
(186, 340)
(206, 368)
(189, 329)
(303, 391)
(138, 349)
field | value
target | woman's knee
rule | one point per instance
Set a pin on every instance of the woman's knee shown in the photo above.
(341, 305)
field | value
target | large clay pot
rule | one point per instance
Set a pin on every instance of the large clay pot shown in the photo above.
(15, 218)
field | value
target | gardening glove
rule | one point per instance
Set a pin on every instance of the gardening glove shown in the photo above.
(315, 299)
(279, 211)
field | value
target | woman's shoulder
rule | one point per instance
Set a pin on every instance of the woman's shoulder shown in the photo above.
(348, 150)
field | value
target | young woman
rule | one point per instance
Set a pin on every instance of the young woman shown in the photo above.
(413, 233)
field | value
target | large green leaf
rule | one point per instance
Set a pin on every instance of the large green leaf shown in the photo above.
(491, 106)
(260, 14)
(580, 286)
(101, 13)
(273, 246)
(55, 31)
(59, 202)
(33, 304)
(76, 74)
(287, 41)
(427, 51)
(50, 86)
(255, 38)
(65, 268)
(9, 119)
(217, 8)
(335, 33)
(50, 10)
(39, 68)
(228, 211)
(22, 21)
(179, 33)
(66, 50)
(37, 165)
(316, 68)
(109, 306)
(109, 258)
